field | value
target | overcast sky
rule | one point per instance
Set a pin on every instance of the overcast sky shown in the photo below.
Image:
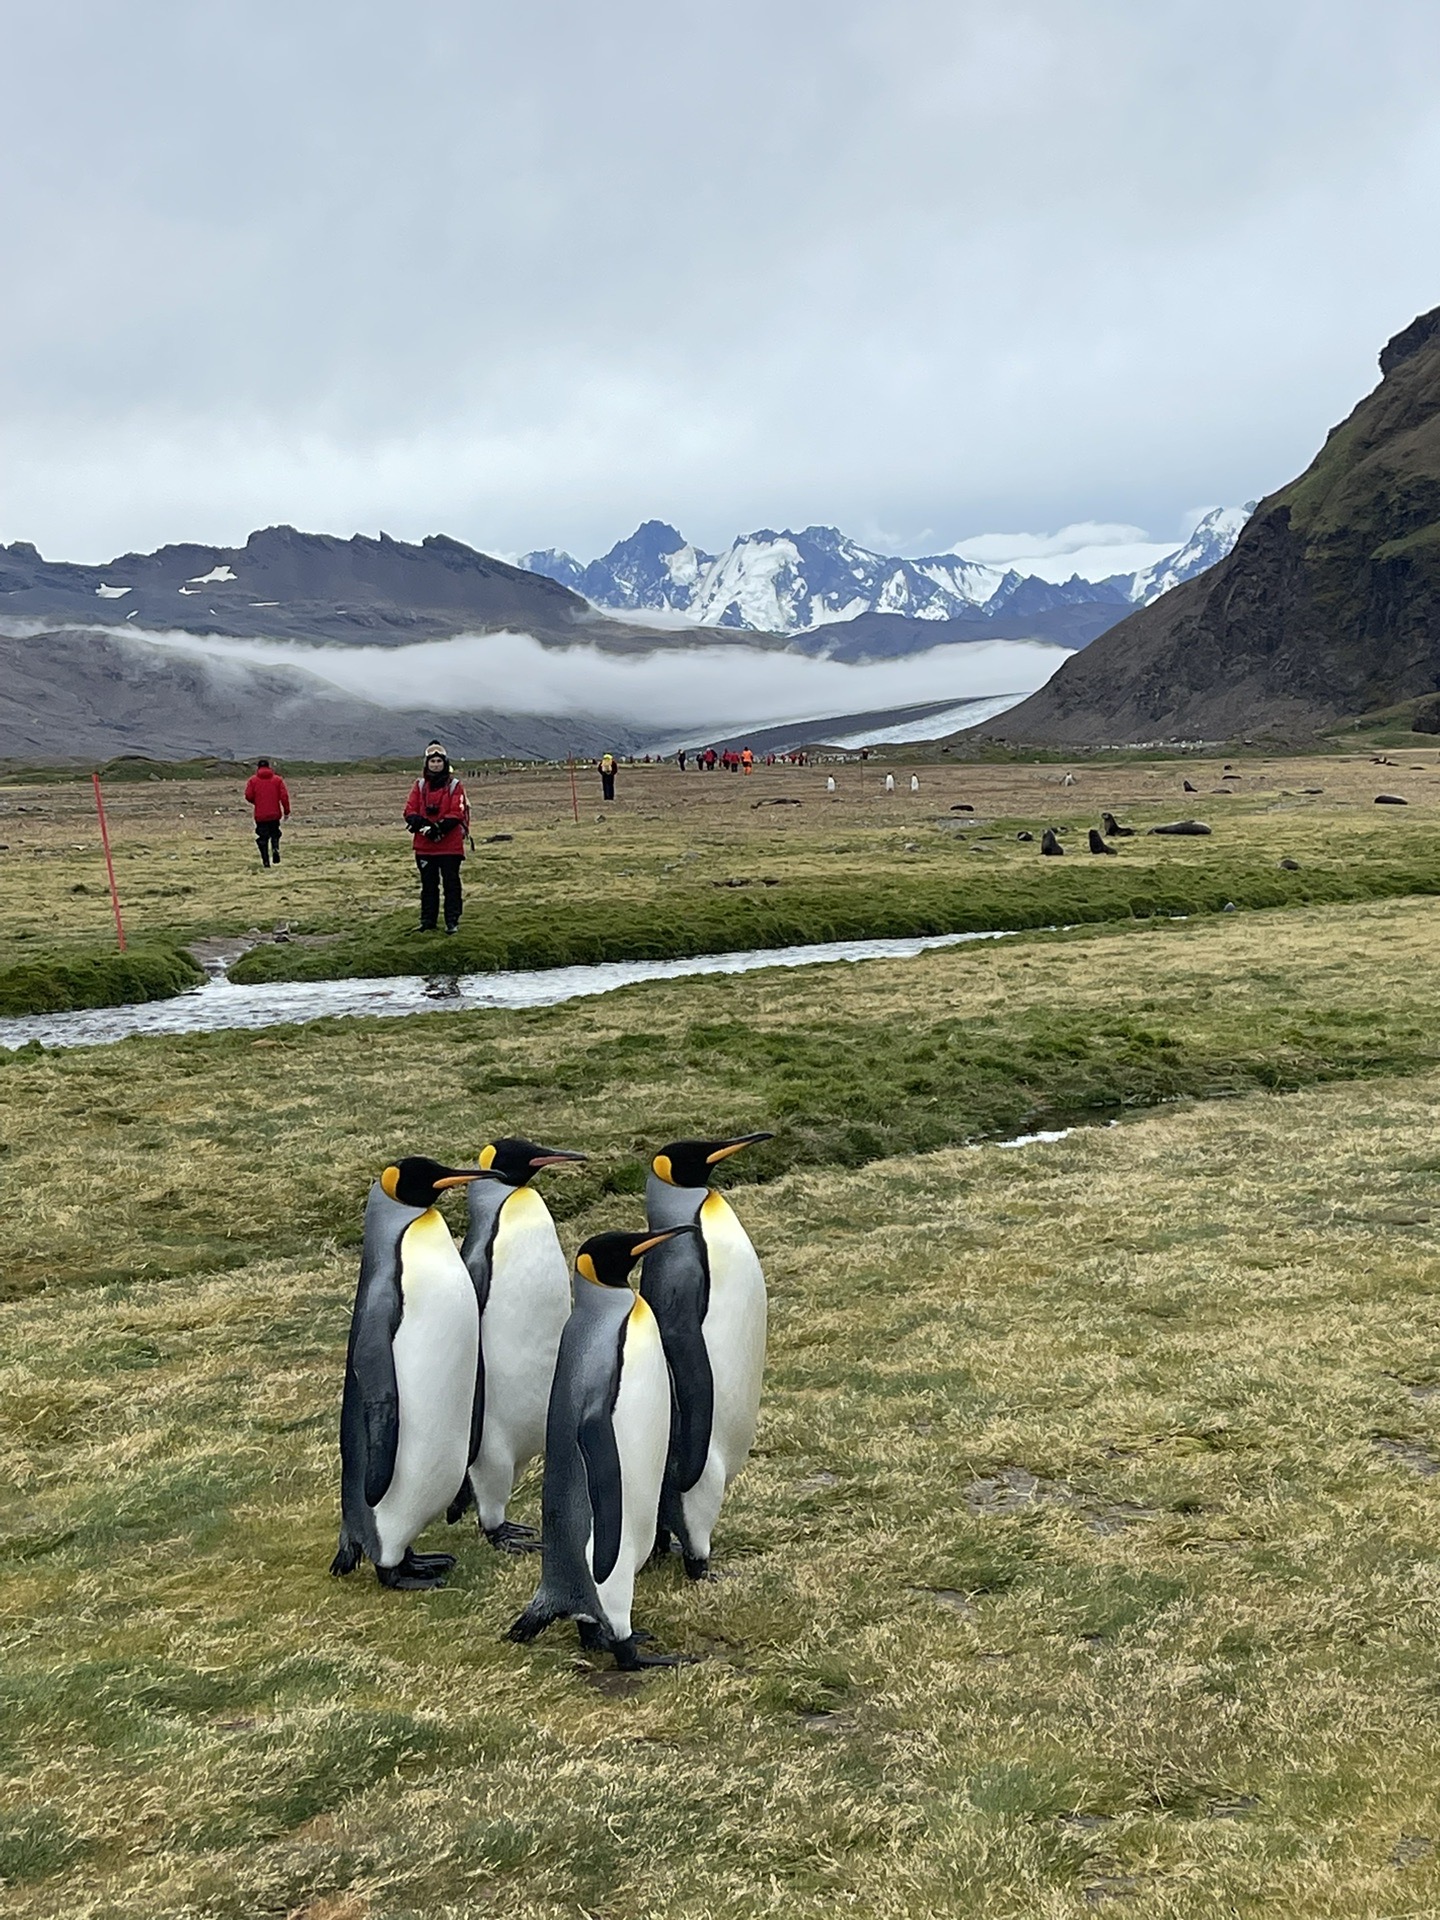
(926, 269)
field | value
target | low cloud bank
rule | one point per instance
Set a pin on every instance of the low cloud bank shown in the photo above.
(1095, 549)
(708, 689)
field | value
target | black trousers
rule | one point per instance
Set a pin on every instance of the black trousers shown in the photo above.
(437, 869)
(607, 786)
(267, 838)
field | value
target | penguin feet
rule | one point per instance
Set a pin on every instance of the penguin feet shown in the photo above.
(531, 1622)
(696, 1569)
(629, 1658)
(416, 1571)
(510, 1537)
(429, 1562)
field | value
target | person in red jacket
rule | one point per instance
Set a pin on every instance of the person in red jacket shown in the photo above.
(270, 797)
(438, 815)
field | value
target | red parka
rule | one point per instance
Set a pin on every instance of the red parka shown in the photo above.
(438, 816)
(268, 794)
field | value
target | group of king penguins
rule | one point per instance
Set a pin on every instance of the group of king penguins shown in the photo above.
(464, 1362)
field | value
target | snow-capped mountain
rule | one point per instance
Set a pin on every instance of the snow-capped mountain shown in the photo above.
(1212, 539)
(789, 582)
(770, 582)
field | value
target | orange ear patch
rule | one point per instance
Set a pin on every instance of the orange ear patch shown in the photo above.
(390, 1180)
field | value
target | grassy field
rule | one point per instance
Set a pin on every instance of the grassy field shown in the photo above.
(682, 864)
(1088, 1557)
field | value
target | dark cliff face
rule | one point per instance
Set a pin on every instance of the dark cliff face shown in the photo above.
(1328, 607)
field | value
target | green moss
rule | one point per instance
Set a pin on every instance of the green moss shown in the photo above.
(529, 934)
(52, 983)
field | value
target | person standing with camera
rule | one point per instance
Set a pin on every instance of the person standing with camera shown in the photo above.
(438, 815)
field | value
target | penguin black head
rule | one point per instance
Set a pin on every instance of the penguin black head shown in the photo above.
(687, 1163)
(606, 1258)
(515, 1161)
(417, 1182)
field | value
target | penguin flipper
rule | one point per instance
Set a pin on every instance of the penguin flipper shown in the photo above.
(602, 1476)
(371, 1414)
(675, 1281)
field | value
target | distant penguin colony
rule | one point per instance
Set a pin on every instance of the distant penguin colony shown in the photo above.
(465, 1362)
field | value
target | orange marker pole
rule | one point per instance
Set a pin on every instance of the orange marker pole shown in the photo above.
(574, 796)
(109, 863)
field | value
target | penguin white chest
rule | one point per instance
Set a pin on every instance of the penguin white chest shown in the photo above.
(641, 1423)
(525, 1313)
(435, 1350)
(734, 1330)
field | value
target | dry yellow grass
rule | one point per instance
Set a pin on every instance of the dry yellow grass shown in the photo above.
(1088, 1553)
(1069, 1566)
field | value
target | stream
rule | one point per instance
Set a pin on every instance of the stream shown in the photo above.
(220, 1004)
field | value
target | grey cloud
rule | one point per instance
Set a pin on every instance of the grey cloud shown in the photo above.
(532, 274)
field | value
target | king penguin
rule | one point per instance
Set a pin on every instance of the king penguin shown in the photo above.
(406, 1414)
(522, 1289)
(707, 1292)
(606, 1437)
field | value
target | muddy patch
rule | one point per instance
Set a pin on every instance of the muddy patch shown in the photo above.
(1409, 1453)
(1013, 1489)
(218, 952)
(951, 1599)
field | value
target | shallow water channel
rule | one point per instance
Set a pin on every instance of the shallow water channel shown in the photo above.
(220, 1004)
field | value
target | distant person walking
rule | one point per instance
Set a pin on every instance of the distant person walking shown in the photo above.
(747, 760)
(607, 776)
(438, 815)
(267, 793)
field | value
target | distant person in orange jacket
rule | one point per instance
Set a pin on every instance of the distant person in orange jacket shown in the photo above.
(747, 760)
(438, 815)
(270, 797)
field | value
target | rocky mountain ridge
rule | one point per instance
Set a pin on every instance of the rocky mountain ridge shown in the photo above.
(1328, 607)
(287, 585)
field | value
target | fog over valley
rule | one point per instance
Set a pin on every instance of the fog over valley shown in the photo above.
(690, 689)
